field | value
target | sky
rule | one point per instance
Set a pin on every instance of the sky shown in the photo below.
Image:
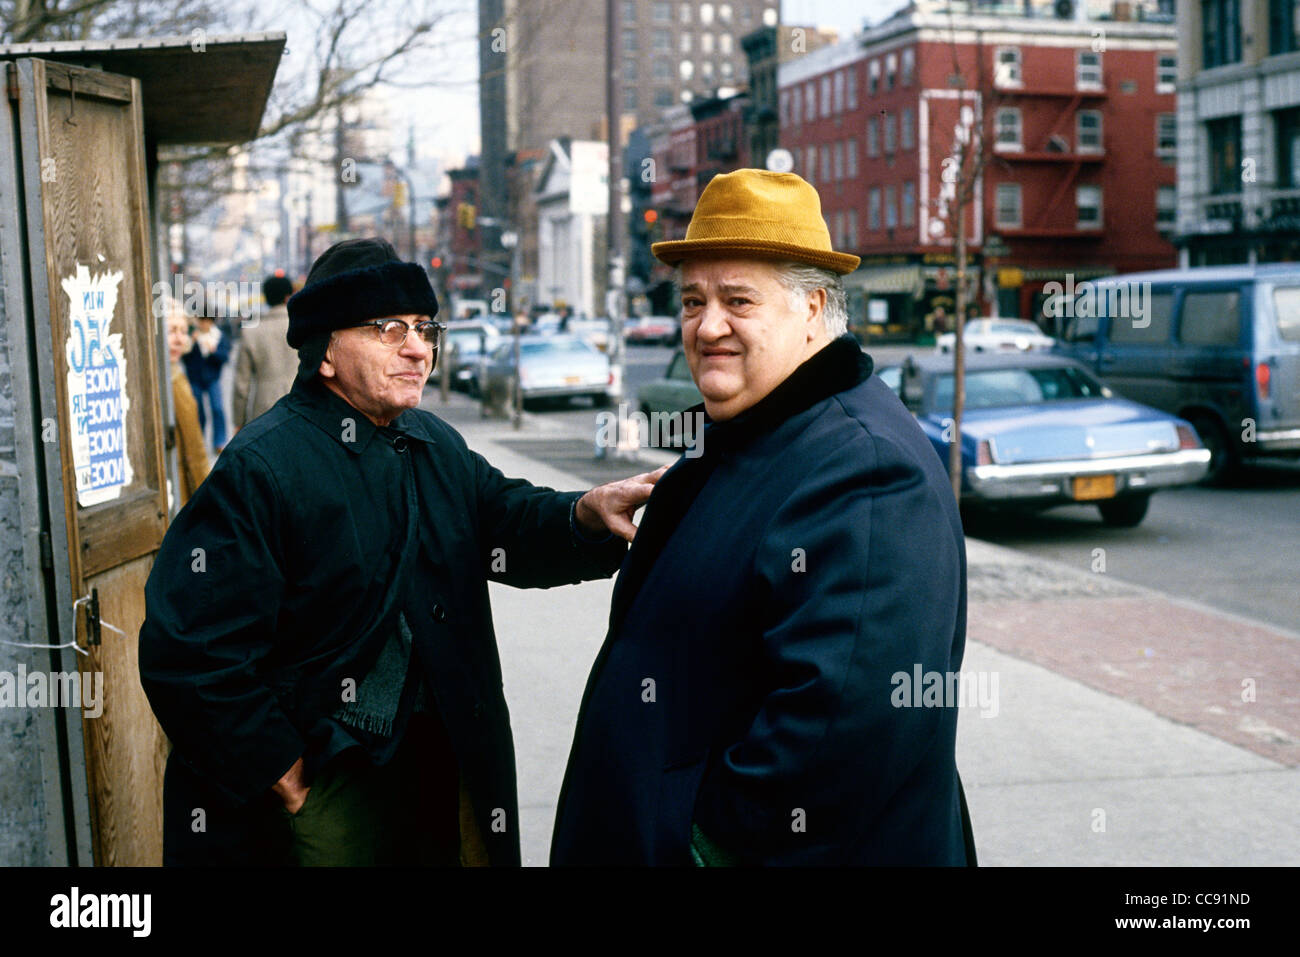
(446, 119)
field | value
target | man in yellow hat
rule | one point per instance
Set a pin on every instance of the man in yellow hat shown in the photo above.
(747, 704)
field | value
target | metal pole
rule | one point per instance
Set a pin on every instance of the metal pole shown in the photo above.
(614, 218)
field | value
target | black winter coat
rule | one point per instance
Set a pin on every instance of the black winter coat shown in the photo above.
(776, 586)
(281, 578)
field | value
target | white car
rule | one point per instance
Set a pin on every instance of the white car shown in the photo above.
(998, 335)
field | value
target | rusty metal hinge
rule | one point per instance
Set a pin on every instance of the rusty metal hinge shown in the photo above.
(11, 80)
(92, 619)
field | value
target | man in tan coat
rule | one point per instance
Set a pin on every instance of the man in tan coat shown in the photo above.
(266, 366)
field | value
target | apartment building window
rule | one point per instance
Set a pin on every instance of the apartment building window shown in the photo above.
(810, 164)
(726, 69)
(891, 71)
(663, 13)
(662, 69)
(629, 69)
(873, 136)
(851, 158)
(1007, 68)
(873, 77)
(1166, 208)
(684, 43)
(1220, 32)
(1282, 23)
(839, 160)
(873, 208)
(785, 108)
(826, 163)
(686, 70)
(706, 43)
(1088, 201)
(891, 208)
(1088, 131)
(684, 12)
(1224, 139)
(851, 81)
(706, 70)
(1087, 73)
(724, 12)
(839, 92)
(629, 98)
(629, 11)
(890, 128)
(796, 99)
(1166, 135)
(1007, 205)
(851, 240)
(839, 230)
(1008, 129)
(1288, 147)
(909, 203)
(706, 13)
(907, 129)
(629, 41)
(663, 96)
(909, 66)
(724, 44)
(810, 102)
(826, 96)
(663, 41)
(1166, 73)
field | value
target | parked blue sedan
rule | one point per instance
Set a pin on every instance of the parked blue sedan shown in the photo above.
(1040, 430)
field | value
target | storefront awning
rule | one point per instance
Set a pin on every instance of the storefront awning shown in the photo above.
(885, 280)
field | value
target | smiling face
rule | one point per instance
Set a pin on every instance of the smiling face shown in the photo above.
(378, 381)
(740, 334)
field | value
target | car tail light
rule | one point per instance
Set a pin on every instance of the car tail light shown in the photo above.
(610, 380)
(1263, 375)
(984, 453)
(1187, 438)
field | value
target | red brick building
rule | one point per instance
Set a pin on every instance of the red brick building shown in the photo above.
(1079, 179)
(459, 236)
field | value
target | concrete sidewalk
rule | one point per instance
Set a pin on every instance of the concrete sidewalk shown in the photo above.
(1128, 727)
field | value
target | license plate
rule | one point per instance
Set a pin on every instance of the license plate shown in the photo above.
(572, 379)
(1089, 487)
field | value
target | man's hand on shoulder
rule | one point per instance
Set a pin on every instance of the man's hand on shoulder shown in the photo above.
(609, 508)
(292, 789)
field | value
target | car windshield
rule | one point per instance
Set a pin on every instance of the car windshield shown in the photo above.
(994, 388)
(1014, 328)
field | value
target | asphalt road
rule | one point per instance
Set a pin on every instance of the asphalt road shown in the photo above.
(1230, 548)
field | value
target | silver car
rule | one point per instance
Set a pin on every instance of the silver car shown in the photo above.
(551, 367)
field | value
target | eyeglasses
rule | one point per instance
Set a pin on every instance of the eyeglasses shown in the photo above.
(393, 332)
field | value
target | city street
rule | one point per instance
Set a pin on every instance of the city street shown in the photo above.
(1224, 547)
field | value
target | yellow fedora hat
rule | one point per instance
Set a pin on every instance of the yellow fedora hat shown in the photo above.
(758, 212)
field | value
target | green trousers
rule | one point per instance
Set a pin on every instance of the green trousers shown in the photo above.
(401, 814)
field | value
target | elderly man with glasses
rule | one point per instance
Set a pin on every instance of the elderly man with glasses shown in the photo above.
(318, 643)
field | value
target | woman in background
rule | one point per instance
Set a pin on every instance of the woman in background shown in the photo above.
(191, 455)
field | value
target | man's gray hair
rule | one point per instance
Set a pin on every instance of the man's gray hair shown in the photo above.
(800, 280)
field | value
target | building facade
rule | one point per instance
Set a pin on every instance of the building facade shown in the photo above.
(571, 211)
(1078, 177)
(1238, 132)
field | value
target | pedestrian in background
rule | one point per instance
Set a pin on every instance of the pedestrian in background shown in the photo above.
(191, 457)
(744, 707)
(265, 364)
(203, 365)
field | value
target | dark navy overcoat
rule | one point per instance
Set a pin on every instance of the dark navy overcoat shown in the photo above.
(747, 689)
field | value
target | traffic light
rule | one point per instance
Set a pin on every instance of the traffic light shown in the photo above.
(651, 217)
(436, 262)
(466, 214)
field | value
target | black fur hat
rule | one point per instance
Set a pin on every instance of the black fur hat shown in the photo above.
(356, 280)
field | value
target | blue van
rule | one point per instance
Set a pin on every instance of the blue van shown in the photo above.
(1218, 346)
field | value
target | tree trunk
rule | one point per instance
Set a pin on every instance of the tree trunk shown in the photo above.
(958, 351)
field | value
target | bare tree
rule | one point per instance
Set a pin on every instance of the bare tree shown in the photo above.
(963, 171)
